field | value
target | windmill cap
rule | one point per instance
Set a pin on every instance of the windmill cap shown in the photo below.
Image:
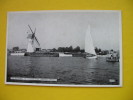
(30, 36)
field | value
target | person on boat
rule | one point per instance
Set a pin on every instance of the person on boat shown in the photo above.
(111, 57)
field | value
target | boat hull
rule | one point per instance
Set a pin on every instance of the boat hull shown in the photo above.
(65, 55)
(93, 57)
(17, 54)
(112, 60)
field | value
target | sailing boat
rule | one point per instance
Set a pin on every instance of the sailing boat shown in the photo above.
(89, 47)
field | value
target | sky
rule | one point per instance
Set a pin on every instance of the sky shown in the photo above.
(65, 28)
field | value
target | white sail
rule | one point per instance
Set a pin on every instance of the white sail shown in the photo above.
(89, 48)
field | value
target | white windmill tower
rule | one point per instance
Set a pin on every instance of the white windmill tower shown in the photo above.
(33, 44)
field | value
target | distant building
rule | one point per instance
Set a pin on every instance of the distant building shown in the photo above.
(49, 50)
(23, 50)
(18, 51)
(44, 50)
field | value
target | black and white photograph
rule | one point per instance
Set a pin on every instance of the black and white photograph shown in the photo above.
(76, 48)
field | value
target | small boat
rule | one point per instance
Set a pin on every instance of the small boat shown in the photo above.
(90, 56)
(113, 58)
(17, 53)
(65, 55)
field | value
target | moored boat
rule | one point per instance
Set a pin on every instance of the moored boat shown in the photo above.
(113, 58)
(17, 53)
(65, 55)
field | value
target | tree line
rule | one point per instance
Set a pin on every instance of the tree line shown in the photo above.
(71, 49)
(101, 52)
(68, 49)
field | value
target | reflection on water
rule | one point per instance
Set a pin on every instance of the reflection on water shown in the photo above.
(67, 70)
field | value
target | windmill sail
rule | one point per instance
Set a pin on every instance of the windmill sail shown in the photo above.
(89, 48)
(36, 40)
(36, 43)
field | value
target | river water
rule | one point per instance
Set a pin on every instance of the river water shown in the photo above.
(67, 70)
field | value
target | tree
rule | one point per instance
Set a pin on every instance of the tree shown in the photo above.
(111, 50)
(77, 49)
(96, 50)
(82, 50)
(54, 50)
(61, 49)
(66, 49)
(15, 48)
(70, 49)
(99, 50)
